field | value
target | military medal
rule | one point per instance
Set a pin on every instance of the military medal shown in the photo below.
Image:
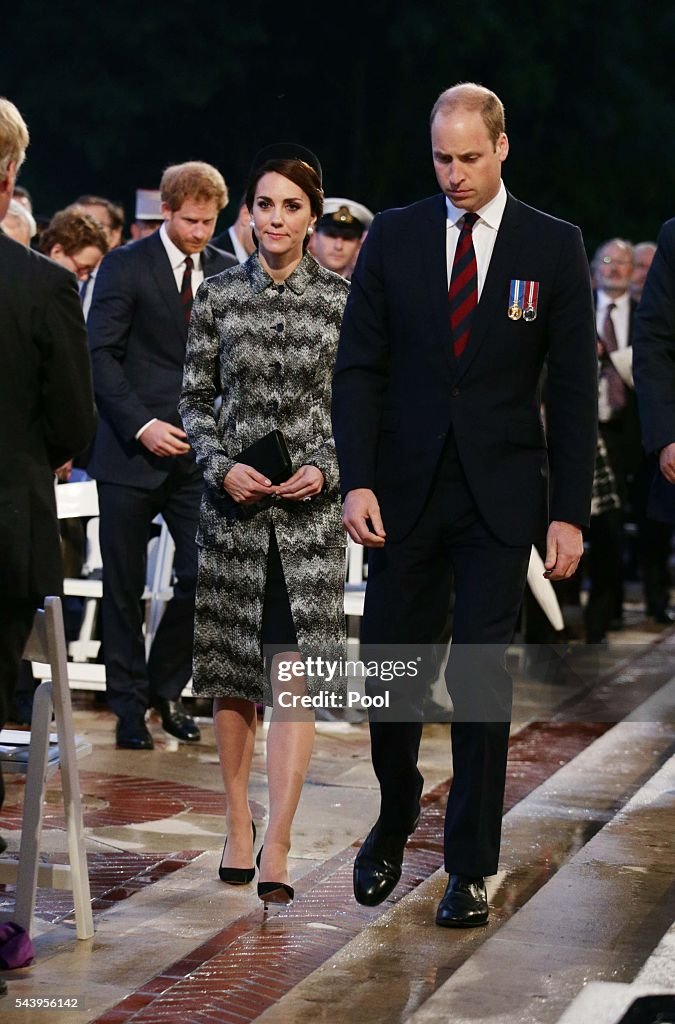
(531, 300)
(515, 310)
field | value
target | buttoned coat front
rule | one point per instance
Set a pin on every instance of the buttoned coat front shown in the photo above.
(267, 351)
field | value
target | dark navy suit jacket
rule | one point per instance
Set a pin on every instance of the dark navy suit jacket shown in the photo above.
(654, 365)
(46, 413)
(398, 390)
(137, 338)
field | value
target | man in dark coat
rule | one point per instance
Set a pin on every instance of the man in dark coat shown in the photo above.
(137, 336)
(654, 371)
(46, 415)
(456, 302)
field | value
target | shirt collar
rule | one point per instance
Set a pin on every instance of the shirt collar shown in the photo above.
(491, 214)
(603, 300)
(305, 272)
(176, 257)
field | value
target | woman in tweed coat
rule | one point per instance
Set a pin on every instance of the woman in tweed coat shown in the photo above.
(263, 336)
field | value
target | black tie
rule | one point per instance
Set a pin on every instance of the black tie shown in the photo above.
(186, 289)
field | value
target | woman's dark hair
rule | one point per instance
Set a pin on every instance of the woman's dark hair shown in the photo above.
(297, 171)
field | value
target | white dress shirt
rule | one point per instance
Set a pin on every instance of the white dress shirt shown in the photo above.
(620, 317)
(239, 250)
(484, 233)
(177, 261)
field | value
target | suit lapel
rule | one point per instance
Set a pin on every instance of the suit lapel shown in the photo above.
(166, 282)
(433, 243)
(494, 297)
(210, 260)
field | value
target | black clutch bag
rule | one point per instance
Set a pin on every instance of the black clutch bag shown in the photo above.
(269, 455)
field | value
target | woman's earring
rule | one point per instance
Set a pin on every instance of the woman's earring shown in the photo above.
(310, 230)
(251, 223)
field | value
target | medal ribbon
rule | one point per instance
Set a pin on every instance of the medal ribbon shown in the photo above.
(532, 294)
(515, 294)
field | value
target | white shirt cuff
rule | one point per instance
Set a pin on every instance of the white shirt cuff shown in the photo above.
(144, 428)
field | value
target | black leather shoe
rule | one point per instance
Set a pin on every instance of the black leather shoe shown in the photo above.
(378, 865)
(464, 903)
(132, 734)
(176, 721)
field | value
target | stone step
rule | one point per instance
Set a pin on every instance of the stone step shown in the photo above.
(584, 894)
(607, 1002)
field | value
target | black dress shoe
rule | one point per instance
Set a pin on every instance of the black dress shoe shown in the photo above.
(132, 734)
(176, 721)
(464, 903)
(663, 617)
(378, 865)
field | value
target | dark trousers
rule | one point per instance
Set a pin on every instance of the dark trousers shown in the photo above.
(605, 572)
(16, 619)
(126, 518)
(654, 540)
(407, 599)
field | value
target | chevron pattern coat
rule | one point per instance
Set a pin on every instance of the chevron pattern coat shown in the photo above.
(268, 351)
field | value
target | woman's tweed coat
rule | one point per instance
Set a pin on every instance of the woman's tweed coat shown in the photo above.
(268, 350)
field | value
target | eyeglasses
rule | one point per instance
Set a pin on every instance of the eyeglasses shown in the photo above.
(610, 261)
(82, 270)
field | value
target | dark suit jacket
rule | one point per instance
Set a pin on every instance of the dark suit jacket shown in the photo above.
(654, 364)
(46, 412)
(223, 242)
(137, 338)
(398, 390)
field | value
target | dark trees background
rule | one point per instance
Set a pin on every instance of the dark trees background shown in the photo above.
(113, 93)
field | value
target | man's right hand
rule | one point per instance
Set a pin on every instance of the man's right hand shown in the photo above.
(667, 462)
(246, 485)
(360, 512)
(164, 439)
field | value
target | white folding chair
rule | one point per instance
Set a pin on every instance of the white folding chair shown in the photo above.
(37, 761)
(80, 499)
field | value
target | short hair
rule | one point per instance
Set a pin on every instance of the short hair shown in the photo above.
(17, 209)
(115, 210)
(14, 137)
(22, 192)
(613, 241)
(192, 180)
(73, 230)
(470, 96)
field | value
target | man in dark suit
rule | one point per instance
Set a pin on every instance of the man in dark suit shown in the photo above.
(653, 369)
(456, 303)
(137, 335)
(615, 309)
(238, 238)
(46, 415)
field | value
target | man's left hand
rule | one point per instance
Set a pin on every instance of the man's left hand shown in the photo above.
(564, 548)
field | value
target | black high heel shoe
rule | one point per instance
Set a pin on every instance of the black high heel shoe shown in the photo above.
(236, 876)
(274, 892)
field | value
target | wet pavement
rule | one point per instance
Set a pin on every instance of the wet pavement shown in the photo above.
(584, 894)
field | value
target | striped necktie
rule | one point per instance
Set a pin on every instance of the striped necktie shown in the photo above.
(186, 289)
(463, 293)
